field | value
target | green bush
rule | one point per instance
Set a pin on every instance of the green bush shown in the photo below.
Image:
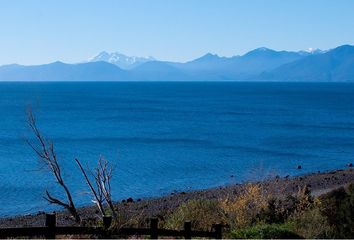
(310, 224)
(202, 213)
(338, 207)
(266, 231)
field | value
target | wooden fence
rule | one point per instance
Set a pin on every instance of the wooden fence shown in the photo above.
(50, 230)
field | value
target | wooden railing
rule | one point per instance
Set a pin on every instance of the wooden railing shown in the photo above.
(51, 230)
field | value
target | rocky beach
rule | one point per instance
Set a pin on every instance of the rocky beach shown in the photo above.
(141, 209)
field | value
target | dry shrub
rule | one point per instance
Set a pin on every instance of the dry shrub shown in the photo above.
(328, 216)
(241, 211)
(305, 199)
(202, 214)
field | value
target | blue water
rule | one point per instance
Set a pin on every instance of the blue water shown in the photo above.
(164, 136)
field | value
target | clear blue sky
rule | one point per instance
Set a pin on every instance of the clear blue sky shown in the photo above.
(40, 31)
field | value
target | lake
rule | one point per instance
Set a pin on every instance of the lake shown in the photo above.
(170, 136)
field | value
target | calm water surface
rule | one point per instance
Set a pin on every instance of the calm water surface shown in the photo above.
(164, 136)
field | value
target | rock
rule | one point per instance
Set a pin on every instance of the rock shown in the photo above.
(139, 200)
(299, 167)
(350, 165)
(130, 200)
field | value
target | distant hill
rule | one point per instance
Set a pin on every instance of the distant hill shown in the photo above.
(261, 64)
(59, 71)
(238, 67)
(335, 65)
(157, 71)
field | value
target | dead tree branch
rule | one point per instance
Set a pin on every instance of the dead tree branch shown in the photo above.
(97, 194)
(45, 151)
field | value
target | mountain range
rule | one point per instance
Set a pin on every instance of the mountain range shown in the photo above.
(121, 60)
(261, 64)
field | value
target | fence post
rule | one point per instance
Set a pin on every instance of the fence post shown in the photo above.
(154, 228)
(107, 221)
(188, 230)
(218, 231)
(50, 223)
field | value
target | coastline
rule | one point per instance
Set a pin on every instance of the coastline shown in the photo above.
(320, 183)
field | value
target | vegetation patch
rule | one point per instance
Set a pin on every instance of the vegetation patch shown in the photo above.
(266, 231)
(202, 214)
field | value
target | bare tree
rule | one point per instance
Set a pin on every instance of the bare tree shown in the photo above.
(102, 175)
(97, 193)
(45, 151)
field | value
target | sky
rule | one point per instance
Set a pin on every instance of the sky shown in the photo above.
(37, 31)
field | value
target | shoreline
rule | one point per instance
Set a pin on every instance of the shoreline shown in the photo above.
(320, 183)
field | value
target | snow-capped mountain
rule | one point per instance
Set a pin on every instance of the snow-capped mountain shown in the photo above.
(311, 51)
(121, 60)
